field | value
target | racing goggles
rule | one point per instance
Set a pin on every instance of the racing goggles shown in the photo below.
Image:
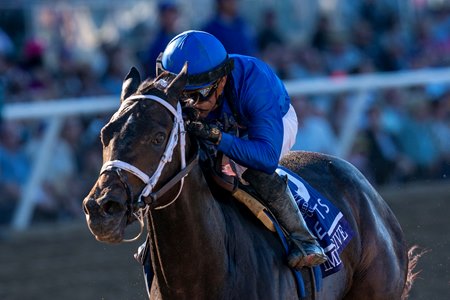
(199, 95)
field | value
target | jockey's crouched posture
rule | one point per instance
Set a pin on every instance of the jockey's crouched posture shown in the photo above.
(247, 90)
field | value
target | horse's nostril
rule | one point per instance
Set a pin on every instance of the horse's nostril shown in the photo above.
(90, 206)
(112, 207)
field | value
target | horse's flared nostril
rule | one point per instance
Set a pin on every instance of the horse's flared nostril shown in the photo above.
(90, 206)
(112, 207)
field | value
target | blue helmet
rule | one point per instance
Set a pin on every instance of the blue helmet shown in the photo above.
(206, 57)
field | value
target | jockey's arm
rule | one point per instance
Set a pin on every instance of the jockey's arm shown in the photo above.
(262, 147)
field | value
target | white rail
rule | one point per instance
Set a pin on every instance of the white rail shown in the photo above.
(55, 111)
(368, 81)
(60, 108)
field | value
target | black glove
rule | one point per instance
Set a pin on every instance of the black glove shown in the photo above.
(190, 114)
(209, 132)
(229, 124)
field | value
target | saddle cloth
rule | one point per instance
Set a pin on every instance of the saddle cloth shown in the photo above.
(324, 220)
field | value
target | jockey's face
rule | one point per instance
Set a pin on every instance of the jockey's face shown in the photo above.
(209, 104)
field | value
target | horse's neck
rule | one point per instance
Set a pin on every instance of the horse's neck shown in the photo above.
(187, 237)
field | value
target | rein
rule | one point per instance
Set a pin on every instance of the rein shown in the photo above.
(148, 196)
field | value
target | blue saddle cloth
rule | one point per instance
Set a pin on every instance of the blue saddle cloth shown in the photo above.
(324, 220)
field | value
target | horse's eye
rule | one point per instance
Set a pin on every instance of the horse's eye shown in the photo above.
(159, 138)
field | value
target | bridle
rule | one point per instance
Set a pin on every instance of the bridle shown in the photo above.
(148, 198)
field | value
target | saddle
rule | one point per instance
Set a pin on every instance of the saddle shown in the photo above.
(223, 172)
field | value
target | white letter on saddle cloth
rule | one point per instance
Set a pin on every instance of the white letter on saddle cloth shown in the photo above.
(301, 188)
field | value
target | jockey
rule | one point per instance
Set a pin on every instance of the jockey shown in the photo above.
(246, 89)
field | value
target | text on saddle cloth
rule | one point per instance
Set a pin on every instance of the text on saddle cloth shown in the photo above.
(325, 221)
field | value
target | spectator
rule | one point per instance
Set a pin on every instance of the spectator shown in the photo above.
(308, 63)
(314, 131)
(377, 13)
(394, 54)
(440, 33)
(321, 33)
(59, 179)
(119, 62)
(272, 47)
(364, 40)
(6, 44)
(383, 153)
(424, 48)
(416, 139)
(440, 127)
(338, 112)
(15, 168)
(394, 113)
(269, 34)
(37, 78)
(231, 29)
(168, 17)
(341, 57)
(90, 162)
(68, 189)
(359, 157)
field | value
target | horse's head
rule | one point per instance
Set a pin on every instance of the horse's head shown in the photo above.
(138, 142)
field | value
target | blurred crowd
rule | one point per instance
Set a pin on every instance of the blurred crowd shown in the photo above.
(404, 134)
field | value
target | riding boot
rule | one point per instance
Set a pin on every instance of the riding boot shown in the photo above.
(304, 250)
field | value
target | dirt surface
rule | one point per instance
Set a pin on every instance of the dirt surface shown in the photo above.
(424, 213)
(64, 261)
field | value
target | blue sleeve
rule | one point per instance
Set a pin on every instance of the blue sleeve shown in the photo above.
(258, 102)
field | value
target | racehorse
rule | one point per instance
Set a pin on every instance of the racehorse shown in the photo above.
(206, 245)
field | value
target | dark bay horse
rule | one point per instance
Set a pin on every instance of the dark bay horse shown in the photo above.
(206, 245)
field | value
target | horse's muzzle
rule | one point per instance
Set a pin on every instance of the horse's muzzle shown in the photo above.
(105, 206)
(106, 218)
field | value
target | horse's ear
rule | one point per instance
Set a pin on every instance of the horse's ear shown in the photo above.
(130, 84)
(176, 86)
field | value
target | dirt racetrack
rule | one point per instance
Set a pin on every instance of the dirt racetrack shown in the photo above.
(63, 261)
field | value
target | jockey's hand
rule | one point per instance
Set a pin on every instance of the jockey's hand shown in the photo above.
(205, 131)
(190, 114)
(229, 124)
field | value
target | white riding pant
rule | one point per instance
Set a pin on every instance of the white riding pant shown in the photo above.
(290, 126)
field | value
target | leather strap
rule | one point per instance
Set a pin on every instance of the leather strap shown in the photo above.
(153, 197)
